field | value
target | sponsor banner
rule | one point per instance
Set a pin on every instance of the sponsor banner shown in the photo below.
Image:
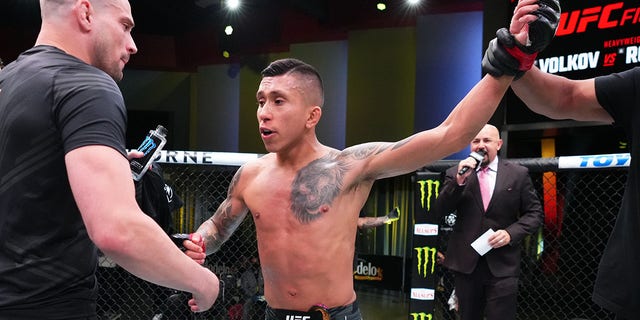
(379, 270)
(205, 157)
(425, 229)
(423, 294)
(424, 253)
(595, 161)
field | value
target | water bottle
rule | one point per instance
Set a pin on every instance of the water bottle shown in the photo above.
(150, 146)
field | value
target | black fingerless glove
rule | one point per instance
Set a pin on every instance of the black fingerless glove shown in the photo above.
(542, 30)
(499, 61)
(506, 56)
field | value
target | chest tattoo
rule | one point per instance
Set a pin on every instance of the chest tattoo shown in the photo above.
(316, 186)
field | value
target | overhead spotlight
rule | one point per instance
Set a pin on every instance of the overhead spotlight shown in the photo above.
(413, 2)
(381, 6)
(228, 30)
(232, 4)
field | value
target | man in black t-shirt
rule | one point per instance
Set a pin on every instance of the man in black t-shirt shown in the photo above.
(65, 181)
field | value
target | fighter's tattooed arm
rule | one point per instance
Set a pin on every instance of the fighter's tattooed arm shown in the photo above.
(371, 222)
(224, 221)
(365, 150)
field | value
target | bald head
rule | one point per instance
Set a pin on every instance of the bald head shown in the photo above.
(97, 32)
(56, 8)
(489, 131)
(488, 139)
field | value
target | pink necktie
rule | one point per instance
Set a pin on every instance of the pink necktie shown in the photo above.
(485, 187)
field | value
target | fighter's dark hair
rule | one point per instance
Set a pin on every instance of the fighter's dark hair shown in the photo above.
(289, 65)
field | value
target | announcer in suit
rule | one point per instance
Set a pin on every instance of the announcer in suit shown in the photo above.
(488, 284)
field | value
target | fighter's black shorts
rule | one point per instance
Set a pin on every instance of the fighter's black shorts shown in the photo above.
(350, 312)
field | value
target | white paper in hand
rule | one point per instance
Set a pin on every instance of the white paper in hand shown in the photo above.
(481, 245)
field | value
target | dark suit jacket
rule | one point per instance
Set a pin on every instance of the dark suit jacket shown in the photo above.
(514, 207)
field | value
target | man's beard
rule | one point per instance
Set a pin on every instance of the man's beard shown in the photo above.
(101, 62)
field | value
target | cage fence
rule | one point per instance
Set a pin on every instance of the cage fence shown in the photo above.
(558, 263)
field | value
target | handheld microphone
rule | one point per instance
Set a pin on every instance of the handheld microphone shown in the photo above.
(478, 156)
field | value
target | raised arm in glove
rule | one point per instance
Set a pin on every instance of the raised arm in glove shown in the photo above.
(514, 50)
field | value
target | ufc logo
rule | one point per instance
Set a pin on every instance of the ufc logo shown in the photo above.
(602, 17)
(298, 318)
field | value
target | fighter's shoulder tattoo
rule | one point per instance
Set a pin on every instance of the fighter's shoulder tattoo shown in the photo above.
(234, 181)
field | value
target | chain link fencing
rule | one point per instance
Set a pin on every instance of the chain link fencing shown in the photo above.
(558, 264)
(201, 188)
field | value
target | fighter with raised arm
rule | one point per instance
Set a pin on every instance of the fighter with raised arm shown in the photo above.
(305, 197)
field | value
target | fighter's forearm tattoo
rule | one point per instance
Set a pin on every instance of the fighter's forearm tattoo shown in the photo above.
(372, 222)
(220, 230)
(226, 222)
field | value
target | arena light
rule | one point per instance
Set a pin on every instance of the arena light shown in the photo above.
(232, 4)
(381, 6)
(228, 30)
(412, 7)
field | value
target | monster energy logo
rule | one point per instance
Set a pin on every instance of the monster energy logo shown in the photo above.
(147, 145)
(421, 316)
(426, 256)
(432, 187)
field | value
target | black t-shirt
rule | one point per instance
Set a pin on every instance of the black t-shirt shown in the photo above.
(617, 286)
(50, 103)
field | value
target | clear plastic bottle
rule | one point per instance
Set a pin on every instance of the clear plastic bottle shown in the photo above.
(151, 147)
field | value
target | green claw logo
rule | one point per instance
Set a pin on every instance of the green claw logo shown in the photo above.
(428, 189)
(426, 257)
(421, 316)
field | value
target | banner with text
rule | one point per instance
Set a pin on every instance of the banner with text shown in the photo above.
(424, 254)
(381, 271)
